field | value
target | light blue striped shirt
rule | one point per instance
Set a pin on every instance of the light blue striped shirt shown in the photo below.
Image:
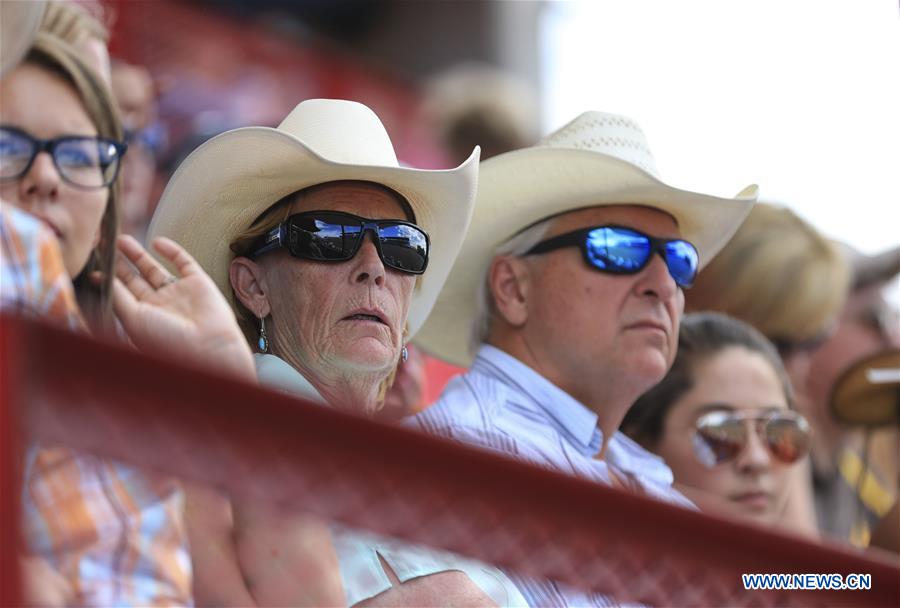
(504, 405)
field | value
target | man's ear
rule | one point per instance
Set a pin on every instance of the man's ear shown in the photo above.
(249, 284)
(509, 279)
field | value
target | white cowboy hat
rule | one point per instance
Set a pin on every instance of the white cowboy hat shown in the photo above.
(597, 159)
(19, 21)
(226, 183)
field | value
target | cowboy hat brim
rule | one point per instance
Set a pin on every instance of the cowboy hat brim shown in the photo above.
(230, 180)
(21, 22)
(523, 187)
(868, 394)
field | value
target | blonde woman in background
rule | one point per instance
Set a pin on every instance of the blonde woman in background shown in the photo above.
(73, 24)
(783, 277)
(780, 275)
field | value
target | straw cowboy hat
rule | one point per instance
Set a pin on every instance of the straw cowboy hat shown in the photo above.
(19, 21)
(597, 159)
(226, 183)
(872, 269)
(868, 394)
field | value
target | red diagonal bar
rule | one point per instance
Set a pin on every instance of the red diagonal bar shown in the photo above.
(253, 442)
(10, 462)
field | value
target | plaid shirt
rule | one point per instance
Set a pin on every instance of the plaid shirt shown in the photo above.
(115, 533)
(33, 280)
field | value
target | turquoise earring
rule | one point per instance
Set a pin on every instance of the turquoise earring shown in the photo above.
(263, 342)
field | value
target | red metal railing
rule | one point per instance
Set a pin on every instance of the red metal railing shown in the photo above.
(72, 390)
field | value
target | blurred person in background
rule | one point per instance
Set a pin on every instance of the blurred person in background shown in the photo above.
(886, 534)
(406, 396)
(332, 254)
(475, 104)
(855, 469)
(80, 28)
(61, 148)
(566, 300)
(780, 275)
(866, 399)
(723, 420)
(135, 93)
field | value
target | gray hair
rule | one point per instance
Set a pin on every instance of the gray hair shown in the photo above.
(484, 310)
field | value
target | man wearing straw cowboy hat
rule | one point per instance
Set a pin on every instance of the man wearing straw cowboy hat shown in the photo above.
(565, 301)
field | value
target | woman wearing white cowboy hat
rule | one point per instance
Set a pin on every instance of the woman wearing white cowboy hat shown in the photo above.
(333, 256)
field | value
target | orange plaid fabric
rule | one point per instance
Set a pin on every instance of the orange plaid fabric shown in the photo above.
(115, 533)
(33, 280)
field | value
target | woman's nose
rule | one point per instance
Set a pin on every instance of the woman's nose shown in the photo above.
(368, 265)
(755, 456)
(41, 181)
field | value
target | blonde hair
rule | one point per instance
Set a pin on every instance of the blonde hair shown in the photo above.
(242, 246)
(779, 274)
(473, 104)
(53, 55)
(72, 23)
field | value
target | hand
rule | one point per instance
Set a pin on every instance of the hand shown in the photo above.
(42, 585)
(185, 315)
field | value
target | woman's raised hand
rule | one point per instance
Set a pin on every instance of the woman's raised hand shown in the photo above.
(185, 314)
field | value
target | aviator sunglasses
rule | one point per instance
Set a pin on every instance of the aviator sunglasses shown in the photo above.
(335, 236)
(721, 436)
(620, 250)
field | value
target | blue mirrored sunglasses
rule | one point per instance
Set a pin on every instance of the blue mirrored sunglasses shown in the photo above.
(620, 250)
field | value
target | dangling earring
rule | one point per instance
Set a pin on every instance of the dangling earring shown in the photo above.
(404, 355)
(263, 342)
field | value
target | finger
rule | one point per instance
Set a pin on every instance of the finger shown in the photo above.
(151, 270)
(131, 280)
(124, 301)
(183, 262)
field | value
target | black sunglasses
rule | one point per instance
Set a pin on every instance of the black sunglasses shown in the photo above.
(83, 161)
(620, 250)
(334, 236)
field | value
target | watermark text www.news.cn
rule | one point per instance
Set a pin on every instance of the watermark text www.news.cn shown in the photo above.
(800, 582)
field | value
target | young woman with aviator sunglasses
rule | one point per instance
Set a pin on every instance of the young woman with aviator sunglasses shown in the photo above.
(722, 419)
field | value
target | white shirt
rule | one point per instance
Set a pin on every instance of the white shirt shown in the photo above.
(358, 551)
(504, 405)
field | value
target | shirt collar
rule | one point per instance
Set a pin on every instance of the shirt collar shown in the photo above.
(570, 417)
(277, 374)
(567, 414)
(626, 454)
